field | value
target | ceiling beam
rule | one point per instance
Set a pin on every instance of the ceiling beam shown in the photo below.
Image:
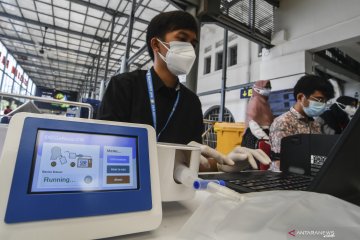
(45, 82)
(95, 6)
(332, 68)
(54, 47)
(146, 62)
(57, 76)
(51, 60)
(126, 24)
(230, 4)
(81, 34)
(41, 78)
(2, 36)
(41, 24)
(61, 88)
(109, 11)
(137, 54)
(52, 69)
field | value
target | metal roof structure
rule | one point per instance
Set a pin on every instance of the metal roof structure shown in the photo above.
(60, 43)
(64, 44)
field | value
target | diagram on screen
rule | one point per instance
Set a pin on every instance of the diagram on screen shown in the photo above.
(75, 159)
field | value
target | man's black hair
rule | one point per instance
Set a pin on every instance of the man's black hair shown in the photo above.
(308, 84)
(167, 22)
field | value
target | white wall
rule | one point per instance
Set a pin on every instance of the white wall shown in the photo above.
(350, 89)
(246, 70)
(309, 25)
(314, 24)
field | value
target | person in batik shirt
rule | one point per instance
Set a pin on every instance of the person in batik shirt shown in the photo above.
(311, 94)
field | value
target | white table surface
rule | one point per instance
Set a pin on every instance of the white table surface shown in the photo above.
(175, 215)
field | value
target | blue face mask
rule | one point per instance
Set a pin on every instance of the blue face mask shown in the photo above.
(314, 109)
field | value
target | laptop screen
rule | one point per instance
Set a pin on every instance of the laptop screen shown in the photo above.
(74, 161)
(339, 175)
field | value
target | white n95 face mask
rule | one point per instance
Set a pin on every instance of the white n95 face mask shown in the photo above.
(350, 110)
(179, 58)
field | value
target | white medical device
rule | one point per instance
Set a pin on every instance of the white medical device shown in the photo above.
(69, 178)
(172, 159)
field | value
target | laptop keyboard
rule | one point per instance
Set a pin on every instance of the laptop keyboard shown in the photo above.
(274, 182)
(262, 181)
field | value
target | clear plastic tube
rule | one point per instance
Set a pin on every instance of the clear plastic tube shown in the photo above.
(224, 191)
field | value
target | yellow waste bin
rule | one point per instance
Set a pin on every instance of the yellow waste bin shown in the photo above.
(228, 135)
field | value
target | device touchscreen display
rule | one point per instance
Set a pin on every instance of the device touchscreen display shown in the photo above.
(72, 161)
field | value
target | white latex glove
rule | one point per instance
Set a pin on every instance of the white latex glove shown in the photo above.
(208, 152)
(243, 156)
(257, 131)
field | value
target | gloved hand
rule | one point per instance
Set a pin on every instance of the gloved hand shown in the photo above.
(243, 156)
(236, 160)
(208, 152)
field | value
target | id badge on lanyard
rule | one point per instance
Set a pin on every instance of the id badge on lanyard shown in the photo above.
(153, 105)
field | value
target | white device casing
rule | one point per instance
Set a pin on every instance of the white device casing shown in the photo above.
(3, 131)
(169, 156)
(82, 227)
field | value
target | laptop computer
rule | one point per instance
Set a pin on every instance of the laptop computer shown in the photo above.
(339, 176)
(305, 153)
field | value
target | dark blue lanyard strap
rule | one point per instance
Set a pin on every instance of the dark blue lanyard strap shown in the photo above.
(152, 103)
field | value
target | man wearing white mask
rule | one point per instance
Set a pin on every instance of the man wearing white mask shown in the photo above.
(311, 93)
(336, 118)
(156, 97)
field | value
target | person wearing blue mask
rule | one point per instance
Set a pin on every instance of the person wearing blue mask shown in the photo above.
(157, 98)
(311, 93)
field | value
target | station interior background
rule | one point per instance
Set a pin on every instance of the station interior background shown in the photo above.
(69, 49)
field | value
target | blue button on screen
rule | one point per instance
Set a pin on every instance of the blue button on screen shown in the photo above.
(117, 159)
(118, 169)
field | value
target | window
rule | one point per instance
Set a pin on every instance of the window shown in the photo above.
(233, 55)
(29, 87)
(207, 65)
(7, 84)
(232, 37)
(22, 90)
(260, 50)
(33, 89)
(281, 101)
(13, 75)
(16, 88)
(219, 43)
(1, 76)
(207, 49)
(219, 59)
